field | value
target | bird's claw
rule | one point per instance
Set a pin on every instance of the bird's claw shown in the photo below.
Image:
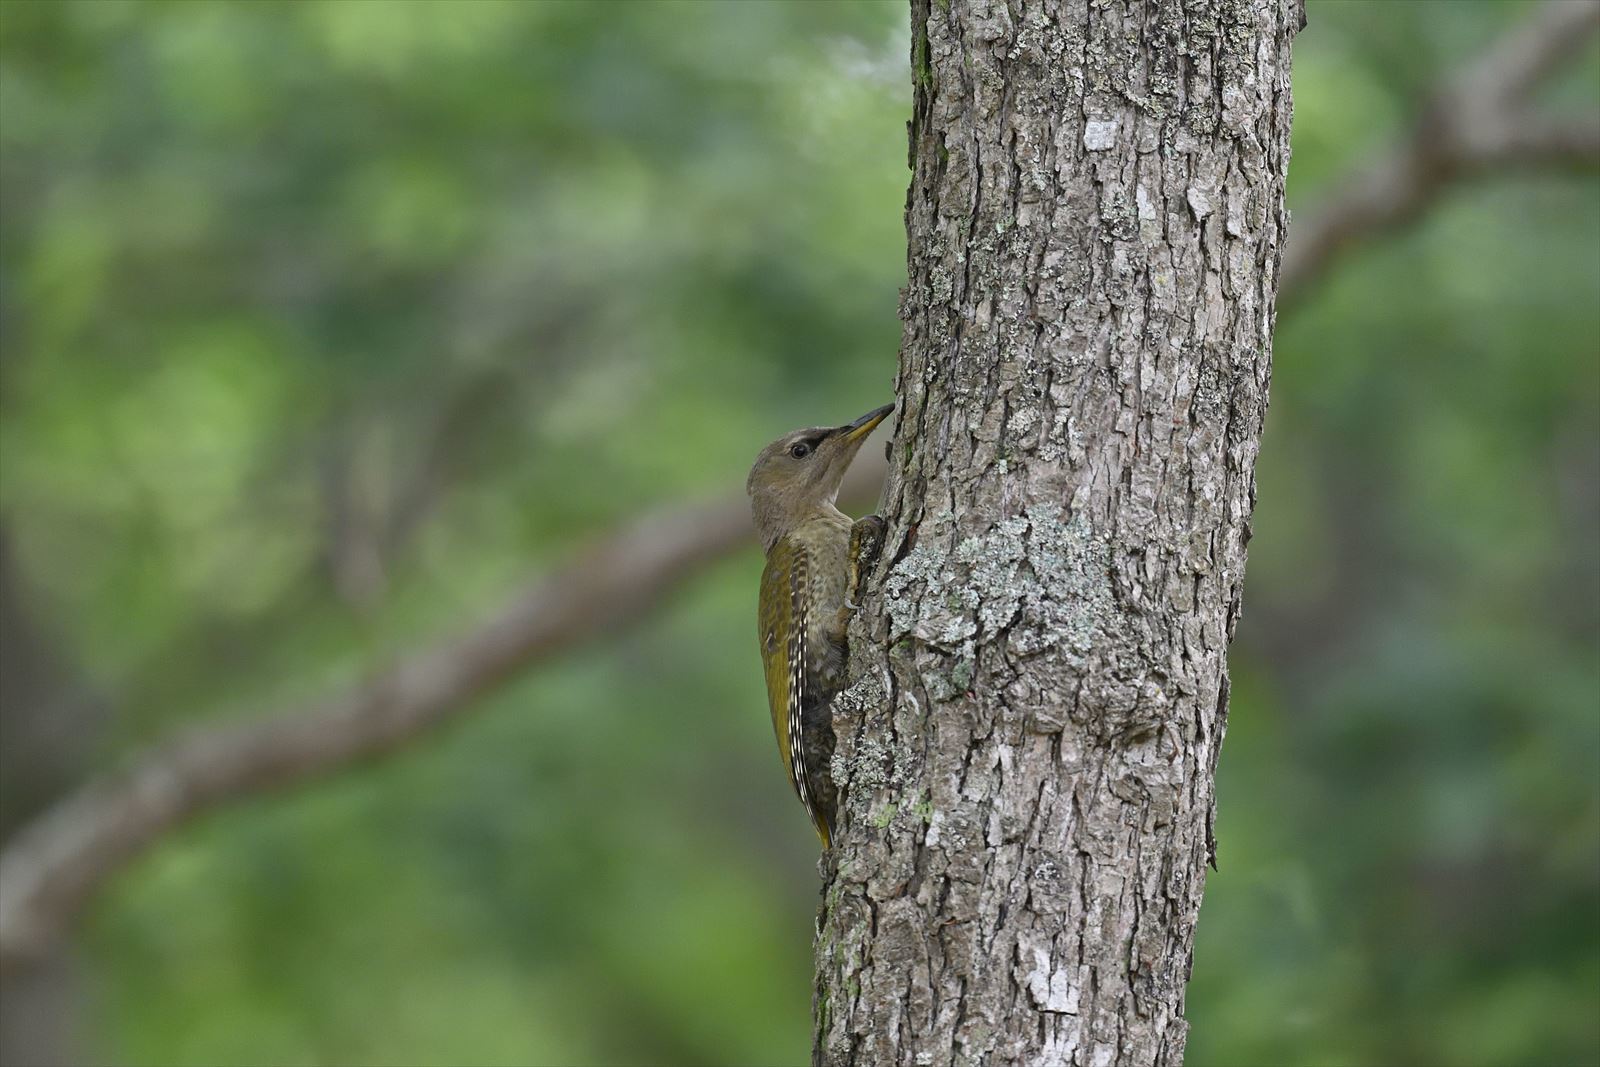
(866, 541)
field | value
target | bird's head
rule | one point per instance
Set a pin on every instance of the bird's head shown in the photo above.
(798, 474)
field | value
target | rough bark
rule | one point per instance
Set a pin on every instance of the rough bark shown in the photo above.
(1028, 748)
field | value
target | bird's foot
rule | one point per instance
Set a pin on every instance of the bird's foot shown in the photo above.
(866, 544)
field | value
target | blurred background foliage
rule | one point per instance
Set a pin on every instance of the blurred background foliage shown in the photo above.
(325, 324)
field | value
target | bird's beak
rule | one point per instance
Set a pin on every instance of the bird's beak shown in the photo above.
(858, 430)
(841, 445)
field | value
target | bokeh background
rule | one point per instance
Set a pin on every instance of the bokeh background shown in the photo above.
(326, 326)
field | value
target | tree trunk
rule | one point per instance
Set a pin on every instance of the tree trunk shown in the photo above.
(1028, 749)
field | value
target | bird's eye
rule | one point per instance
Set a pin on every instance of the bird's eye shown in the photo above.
(800, 450)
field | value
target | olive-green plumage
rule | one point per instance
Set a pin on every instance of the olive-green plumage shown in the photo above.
(815, 556)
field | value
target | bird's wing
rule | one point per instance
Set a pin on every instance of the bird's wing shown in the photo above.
(783, 634)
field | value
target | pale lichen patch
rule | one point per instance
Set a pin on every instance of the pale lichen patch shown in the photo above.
(1100, 134)
(1042, 582)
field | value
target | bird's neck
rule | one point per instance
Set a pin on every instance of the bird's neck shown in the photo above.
(824, 521)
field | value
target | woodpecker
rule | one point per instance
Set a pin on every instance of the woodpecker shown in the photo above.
(816, 558)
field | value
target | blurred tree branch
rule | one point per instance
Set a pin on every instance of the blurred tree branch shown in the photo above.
(56, 862)
(1476, 123)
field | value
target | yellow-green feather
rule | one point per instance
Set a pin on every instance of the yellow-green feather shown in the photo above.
(784, 628)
